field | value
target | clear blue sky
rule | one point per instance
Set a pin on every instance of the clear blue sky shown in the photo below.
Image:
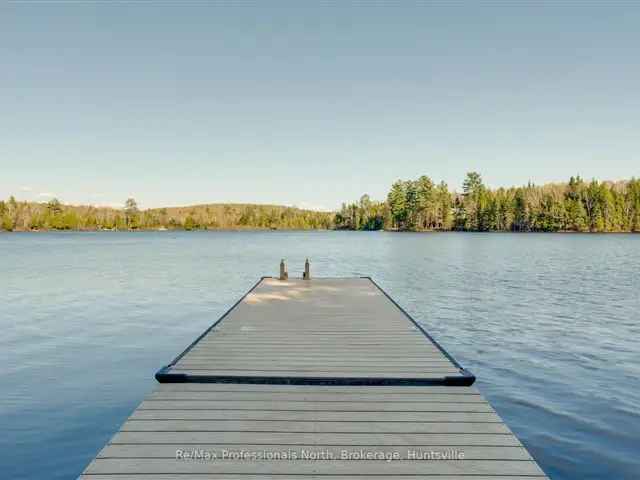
(309, 105)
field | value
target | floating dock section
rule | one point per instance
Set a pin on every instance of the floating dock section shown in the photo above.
(315, 379)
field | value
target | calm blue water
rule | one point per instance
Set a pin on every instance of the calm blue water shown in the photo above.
(549, 324)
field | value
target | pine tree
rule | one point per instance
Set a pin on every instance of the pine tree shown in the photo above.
(398, 205)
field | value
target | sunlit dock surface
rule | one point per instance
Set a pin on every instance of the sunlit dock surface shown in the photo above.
(321, 378)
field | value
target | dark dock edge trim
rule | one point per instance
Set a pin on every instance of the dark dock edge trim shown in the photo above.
(467, 378)
(164, 371)
(164, 375)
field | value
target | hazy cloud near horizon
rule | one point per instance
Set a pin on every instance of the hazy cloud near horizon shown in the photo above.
(310, 105)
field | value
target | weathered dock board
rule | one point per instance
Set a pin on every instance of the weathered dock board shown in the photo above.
(319, 379)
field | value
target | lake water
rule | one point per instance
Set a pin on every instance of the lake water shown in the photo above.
(549, 323)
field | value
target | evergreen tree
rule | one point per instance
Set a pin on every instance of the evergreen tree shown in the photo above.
(426, 205)
(397, 201)
(474, 201)
(443, 207)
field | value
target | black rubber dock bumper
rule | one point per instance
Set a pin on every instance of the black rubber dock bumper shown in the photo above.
(165, 375)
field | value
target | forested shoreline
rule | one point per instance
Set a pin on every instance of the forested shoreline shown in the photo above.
(575, 206)
(411, 205)
(53, 215)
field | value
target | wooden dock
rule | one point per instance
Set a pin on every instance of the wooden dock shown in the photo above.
(321, 378)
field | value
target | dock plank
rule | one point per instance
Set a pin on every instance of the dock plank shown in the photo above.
(120, 466)
(261, 476)
(332, 406)
(317, 397)
(306, 426)
(323, 416)
(332, 390)
(320, 438)
(321, 452)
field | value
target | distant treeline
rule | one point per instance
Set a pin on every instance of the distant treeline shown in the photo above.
(576, 206)
(413, 205)
(53, 215)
